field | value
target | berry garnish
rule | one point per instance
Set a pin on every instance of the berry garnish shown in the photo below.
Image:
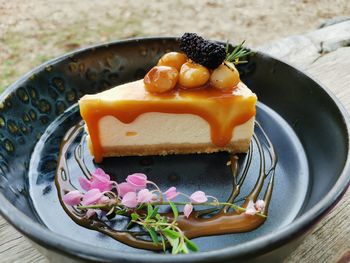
(201, 51)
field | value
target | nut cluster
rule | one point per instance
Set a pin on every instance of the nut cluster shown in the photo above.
(176, 68)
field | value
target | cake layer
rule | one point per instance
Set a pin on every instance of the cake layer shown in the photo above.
(178, 133)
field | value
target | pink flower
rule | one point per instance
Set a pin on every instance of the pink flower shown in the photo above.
(99, 180)
(130, 199)
(144, 196)
(137, 180)
(250, 210)
(84, 183)
(171, 193)
(260, 205)
(104, 200)
(188, 210)
(90, 213)
(154, 197)
(72, 197)
(91, 197)
(125, 188)
(198, 197)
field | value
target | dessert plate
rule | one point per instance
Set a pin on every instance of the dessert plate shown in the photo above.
(306, 125)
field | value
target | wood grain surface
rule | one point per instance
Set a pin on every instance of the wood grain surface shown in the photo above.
(325, 55)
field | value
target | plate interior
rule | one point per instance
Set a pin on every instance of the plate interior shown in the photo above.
(189, 173)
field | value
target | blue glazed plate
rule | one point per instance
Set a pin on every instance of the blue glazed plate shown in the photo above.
(306, 124)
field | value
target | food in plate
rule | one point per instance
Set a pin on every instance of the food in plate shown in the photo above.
(191, 102)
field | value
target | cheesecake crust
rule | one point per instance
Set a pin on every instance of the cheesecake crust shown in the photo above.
(239, 146)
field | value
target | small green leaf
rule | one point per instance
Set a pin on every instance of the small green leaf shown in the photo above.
(226, 48)
(149, 210)
(171, 233)
(175, 246)
(130, 224)
(120, 212)
(155, 212)
(134, 216)
(175, 211)
(163, 243)
(153, 235)
(190, 245)
(183, 248)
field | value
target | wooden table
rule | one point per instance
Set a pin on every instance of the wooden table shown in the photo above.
(324, 55)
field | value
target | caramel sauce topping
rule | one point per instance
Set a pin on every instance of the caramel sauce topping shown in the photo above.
(223, 110)
(222, 222)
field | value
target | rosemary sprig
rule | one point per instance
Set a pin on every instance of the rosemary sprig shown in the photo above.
(237, 53)
(162, 230)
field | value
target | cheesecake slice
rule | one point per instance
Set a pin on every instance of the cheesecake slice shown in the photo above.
(191, 102)
(128, 120)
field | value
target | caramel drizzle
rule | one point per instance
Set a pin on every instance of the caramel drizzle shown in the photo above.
(217, 111)
(221, 221)
(64, 185)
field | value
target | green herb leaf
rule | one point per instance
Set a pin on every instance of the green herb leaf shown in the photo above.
(153, 235)
(134, 216)
(238, 52)
(226, 48)
(163, 243)
(149, 212)
(131, 223)
(171, 233)
(155, 212)
(175, 211)
(190, 245)
(175, 246)
(120, 212)
(183, 248)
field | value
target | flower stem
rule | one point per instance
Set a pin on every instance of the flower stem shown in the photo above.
(236, 207)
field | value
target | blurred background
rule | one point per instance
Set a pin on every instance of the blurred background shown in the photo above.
(32, 32)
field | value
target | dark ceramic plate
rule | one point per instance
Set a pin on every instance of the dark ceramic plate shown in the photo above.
(306, 124)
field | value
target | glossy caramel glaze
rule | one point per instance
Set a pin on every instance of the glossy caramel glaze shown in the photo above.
(217, 222)
(222, 109)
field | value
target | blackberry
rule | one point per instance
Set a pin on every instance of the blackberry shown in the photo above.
(201, 51)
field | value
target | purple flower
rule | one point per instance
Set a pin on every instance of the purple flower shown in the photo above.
(188, 210)
(198, 197)
(92, 197)
(171, 193)
(125, 188)
(250, 209)
(137, 180)
(130, 200)
(72, 197)
(144, 196)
